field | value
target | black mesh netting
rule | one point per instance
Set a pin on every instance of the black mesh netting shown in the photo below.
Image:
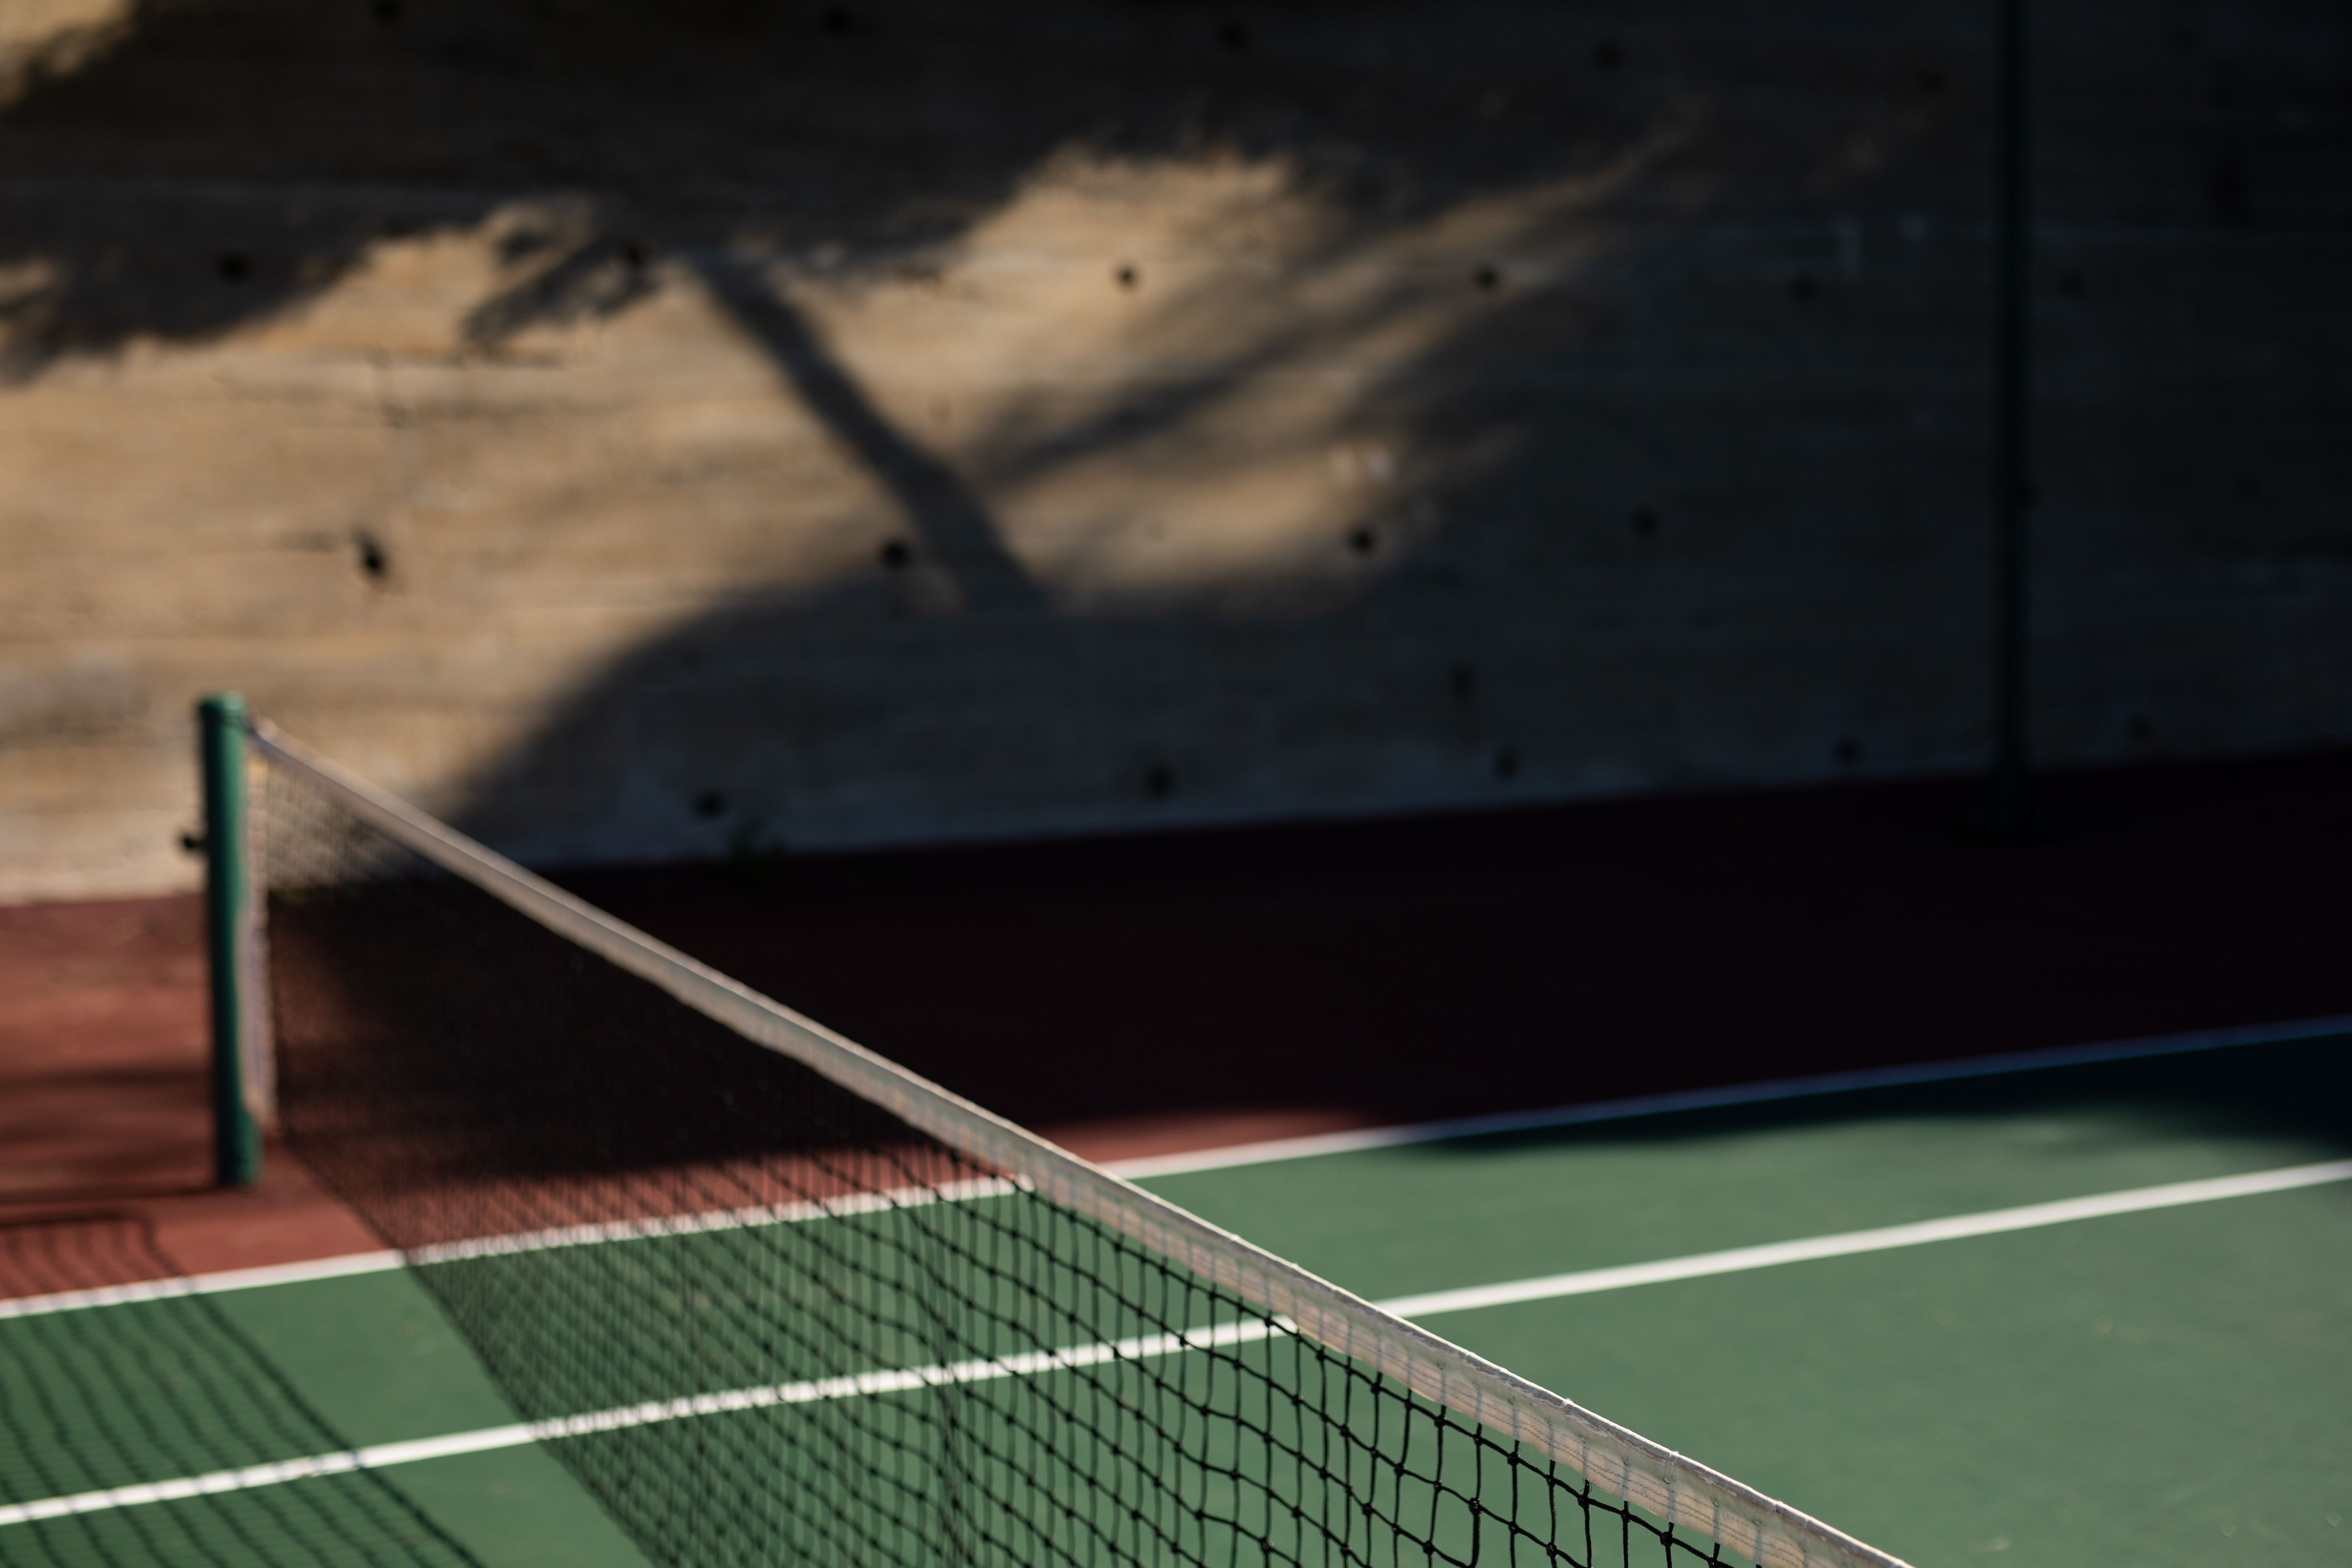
(765, 1322)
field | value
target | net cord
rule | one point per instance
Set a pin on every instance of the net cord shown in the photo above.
(1663, 1482)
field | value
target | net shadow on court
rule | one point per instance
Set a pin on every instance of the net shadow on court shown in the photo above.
(169, 1387)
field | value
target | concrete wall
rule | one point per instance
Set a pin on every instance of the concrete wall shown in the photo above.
(755, 425)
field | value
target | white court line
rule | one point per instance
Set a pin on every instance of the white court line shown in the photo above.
(204, 1284)
(1993, 1222)
(1145, 1167)
(275, 1474)
(1235, 1154)
(507, 1246)
(719, 1220)
(855, 1386)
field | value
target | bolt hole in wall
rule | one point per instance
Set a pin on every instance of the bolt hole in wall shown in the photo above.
(709, 803)
(1486, 279)
(896, 556)
(234, 266)
(1127, 275)
(1158, 780)
(2229, 187)
(374, 564)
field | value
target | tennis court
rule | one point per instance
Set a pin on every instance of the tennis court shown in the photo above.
(2153, 1386)
(661, 1295)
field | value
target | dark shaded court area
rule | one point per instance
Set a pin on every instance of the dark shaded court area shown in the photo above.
(1147, 994)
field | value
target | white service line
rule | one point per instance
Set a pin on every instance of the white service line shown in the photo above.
(851, 1386)
(269, 1474)
(1993, 1222)
(1144, 1167)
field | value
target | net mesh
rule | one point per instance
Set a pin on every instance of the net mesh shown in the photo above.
(764, 1320)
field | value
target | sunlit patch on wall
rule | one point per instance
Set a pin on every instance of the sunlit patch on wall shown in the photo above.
(42, 38)
(1244, 421)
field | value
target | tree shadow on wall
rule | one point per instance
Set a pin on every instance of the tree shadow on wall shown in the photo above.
(188, 168)
(1455, 186)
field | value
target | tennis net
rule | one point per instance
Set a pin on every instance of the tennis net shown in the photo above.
(772, 1297)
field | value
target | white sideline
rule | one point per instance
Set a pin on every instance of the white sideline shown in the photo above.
(1993, 1222)
(1844, 1244)
(1144, 1167)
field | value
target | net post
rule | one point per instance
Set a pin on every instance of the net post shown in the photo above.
(231, 932)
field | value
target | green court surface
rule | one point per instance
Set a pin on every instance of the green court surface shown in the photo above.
(2161, 1386)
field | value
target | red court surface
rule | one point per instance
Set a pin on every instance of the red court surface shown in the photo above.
(1154, 995)
(104, 1107)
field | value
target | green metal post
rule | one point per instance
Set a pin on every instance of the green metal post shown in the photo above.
(236, 1134)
